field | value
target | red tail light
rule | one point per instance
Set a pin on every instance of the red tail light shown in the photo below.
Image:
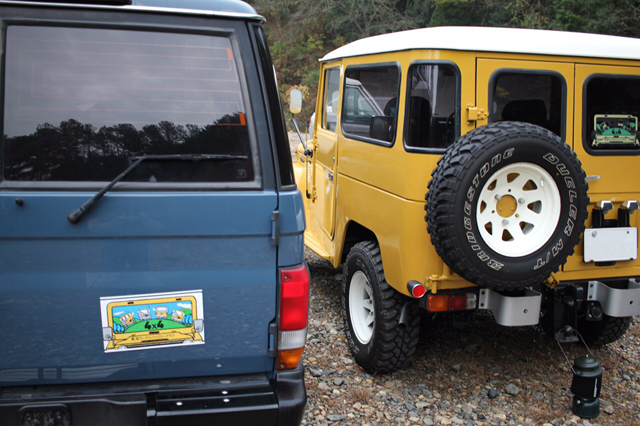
(451, 302)
(294, 310)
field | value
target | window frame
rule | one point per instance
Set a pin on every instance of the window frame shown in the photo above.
(387, 144)
(586, 134)
(457, 108)
(563, 116)
(231, 30)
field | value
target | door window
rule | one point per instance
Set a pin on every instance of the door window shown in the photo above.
(431, 119)
(370, 106)
(531, 97)
(331, 99)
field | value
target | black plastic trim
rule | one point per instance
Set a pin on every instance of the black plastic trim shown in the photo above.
(458, 108)
(283, 162)
(250, 399)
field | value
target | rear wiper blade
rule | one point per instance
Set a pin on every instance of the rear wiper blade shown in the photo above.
(75, 216)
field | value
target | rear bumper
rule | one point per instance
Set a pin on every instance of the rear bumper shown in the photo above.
(233, 400)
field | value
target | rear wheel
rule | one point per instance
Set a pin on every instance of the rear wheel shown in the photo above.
(372, 311)
(598, 333)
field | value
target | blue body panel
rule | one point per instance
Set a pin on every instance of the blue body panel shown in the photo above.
(53, 274)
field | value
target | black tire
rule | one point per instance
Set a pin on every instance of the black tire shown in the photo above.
(457, 184)
(599, 333)
(391, 345)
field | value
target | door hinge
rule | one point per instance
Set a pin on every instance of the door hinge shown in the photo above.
(475, 114)
(275, 228)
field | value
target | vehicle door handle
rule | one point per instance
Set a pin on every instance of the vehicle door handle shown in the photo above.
(330, 174)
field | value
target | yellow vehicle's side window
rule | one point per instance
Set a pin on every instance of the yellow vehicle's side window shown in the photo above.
(370, 105)
(431, 119)
(612, 105)
(331, 99)
(532, 97)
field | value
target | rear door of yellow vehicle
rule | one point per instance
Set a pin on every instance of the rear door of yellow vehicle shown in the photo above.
(613, 172)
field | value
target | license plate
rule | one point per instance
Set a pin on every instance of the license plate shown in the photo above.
(610, 244)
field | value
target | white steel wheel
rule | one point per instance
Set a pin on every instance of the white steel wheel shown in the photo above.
(518, 209)
(361, 307)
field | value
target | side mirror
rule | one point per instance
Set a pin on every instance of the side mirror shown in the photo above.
(380, 128)
(295, 101)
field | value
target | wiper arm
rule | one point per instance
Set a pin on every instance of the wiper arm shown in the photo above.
(75, 216)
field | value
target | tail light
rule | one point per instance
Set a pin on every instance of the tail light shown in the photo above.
(451, 302)
(416, 289)
(294, 310)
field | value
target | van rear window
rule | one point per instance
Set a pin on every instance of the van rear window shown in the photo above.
(80, 104)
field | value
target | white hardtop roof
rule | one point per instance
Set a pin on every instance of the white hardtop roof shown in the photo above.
(488, 39)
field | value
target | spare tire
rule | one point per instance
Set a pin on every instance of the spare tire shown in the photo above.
(506, 205)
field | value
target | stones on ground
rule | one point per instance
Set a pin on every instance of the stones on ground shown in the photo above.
(472, 348)
(443, 420)
(512, 389)
(315, 372)
(466, 394)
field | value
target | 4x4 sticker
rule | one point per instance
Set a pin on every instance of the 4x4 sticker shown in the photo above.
(151, 321)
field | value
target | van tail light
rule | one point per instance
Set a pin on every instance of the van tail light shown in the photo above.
(451, 302)
(294, 310)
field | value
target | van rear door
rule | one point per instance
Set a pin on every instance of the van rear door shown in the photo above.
(172, 273)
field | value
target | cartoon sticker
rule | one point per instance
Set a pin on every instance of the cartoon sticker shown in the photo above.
(152, 321)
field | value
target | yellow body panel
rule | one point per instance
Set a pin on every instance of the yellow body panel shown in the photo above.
(382, 188)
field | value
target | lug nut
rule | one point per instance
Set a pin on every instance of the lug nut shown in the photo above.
(498, 197)
(521, 200)
(505, 222)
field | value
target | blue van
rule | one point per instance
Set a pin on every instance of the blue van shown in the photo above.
(151, 232)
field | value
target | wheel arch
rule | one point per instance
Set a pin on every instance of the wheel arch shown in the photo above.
(354, 233)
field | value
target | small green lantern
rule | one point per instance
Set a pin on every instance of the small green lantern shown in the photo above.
(585, 387)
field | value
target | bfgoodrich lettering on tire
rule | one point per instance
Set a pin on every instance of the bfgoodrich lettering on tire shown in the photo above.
(506, 205)
(372, 311)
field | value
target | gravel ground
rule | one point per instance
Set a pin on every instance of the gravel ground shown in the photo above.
(464, 373)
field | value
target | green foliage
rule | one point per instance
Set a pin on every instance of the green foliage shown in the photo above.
(302, 31)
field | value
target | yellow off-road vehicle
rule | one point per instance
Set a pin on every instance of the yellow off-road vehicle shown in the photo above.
(526, 145)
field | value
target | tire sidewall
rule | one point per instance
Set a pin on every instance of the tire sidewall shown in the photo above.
(566, 174)
(358, 261)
